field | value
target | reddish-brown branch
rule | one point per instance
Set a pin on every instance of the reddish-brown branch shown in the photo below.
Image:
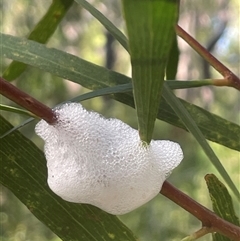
(26, 101)
(232, 79)
(207, 217)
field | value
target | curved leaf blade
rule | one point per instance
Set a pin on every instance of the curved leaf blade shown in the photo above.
(124, 88)
(17, 127)
(116, 33)
(24, 172)
(41, 33)
(87, 74)
(191, 125)
(96, 93)
(16, 110)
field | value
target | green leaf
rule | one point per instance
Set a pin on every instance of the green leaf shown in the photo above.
(172, 64)
(105, 91)
(150, 26)
(116, 33)
(17, 127)
(100, 92)
(221, 202)
(125, 88)
(23, 170)
(219, 237)
(185, 84)
(16, 110)
(41, 33)
(191, 125)
(87, 74)
(173, 56)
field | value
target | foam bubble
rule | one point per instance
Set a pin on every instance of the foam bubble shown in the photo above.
(103, 162)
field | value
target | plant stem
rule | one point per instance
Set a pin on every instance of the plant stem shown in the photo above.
(198, 234)
(26, 101)
(207, 217)
(231, 78)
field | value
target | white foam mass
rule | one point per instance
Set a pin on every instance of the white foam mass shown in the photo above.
(99, 161)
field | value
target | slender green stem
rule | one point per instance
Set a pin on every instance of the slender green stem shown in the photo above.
(230, 78)
(198, 234)
(26, 101)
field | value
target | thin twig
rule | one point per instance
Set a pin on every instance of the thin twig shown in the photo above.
(207, 217)
(198, 234)
(201, 232)
(26, 101)
(232, 79)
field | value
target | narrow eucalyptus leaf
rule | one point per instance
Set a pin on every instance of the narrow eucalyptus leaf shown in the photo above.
(221, 202)
(24, 172)
(41, 33)
(191, 125)
(116, 33)
(87, 74)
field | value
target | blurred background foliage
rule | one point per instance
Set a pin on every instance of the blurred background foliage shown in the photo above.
(215, 23)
